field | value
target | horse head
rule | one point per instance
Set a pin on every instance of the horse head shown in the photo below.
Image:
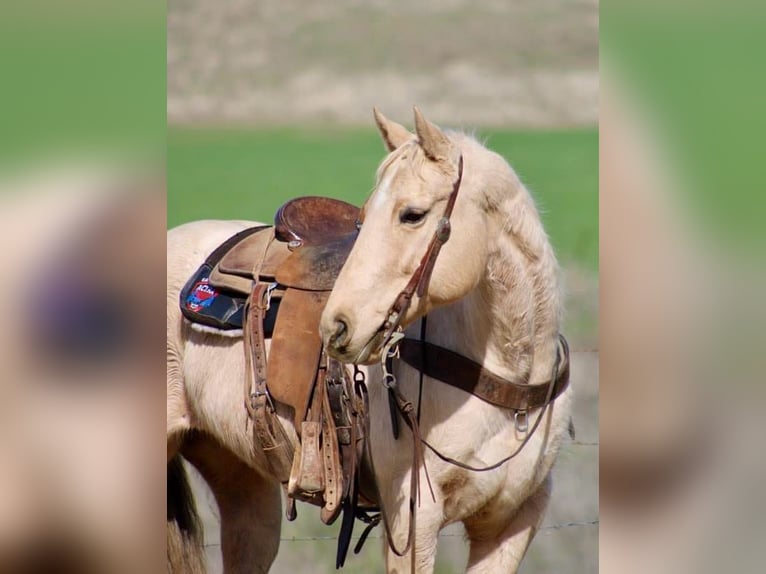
(428, 177)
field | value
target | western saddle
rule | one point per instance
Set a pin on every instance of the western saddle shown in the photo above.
(276, 281)
(295, 263)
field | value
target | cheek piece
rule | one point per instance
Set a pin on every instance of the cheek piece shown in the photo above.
(418, 283)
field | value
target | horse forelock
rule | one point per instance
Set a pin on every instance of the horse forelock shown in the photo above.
(412, 157)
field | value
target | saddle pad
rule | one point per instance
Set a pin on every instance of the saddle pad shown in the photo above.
(204, 302)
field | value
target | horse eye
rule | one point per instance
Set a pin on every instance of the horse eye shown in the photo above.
(412, 216)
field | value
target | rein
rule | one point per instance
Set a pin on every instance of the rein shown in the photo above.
(391, 331)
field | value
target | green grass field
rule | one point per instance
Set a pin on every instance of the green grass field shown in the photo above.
(248, 174)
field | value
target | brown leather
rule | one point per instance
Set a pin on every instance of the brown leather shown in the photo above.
(239, 259)
(308, 469)
(309, 475)
(315, 268)
(463, 373)
(230, 282)
(267, 429)
(418, 283)
(315, 220)
(342, 465)
(312, 266)
(333, 473)
(257, 255)
(295, 350)
(318, 475)
(276, 255)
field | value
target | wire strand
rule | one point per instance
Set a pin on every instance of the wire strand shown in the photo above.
(551, 527)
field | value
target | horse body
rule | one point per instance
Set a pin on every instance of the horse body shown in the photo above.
(207, 422)
(493, 298)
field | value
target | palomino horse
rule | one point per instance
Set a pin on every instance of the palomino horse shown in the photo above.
(492, 297)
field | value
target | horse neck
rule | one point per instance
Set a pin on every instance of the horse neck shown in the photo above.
(510, 321)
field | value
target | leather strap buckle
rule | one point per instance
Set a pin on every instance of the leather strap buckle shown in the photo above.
(255, 395)
(521, 420)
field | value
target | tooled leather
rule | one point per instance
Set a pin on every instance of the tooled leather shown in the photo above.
(463, 373)
(268, 431)
(315, 220)
(333, 473)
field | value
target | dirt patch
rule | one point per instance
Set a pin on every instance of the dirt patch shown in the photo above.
(484, 62)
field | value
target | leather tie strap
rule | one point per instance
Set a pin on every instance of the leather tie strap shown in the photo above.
(463, 373)
(268, 430)
(418, 460)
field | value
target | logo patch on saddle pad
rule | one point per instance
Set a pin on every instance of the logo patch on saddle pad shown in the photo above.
(207, 304)
(201, 296)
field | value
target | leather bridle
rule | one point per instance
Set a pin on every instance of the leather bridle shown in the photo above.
(391, 336)
(418, 283)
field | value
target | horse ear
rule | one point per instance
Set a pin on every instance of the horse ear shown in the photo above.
(393, 134)
(435, 144)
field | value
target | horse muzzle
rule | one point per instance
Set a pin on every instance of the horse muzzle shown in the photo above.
(338, 336)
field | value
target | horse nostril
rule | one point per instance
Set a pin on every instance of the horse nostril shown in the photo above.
(340, 336)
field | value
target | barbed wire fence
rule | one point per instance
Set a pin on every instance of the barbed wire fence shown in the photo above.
(594, 522)
(548, 528)
(551, 527)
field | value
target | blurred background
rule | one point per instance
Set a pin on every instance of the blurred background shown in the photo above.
(681, 206)
(82, 228)
(682, 281)
(272, 100)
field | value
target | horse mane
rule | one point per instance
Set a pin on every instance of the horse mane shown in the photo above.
(522, 269)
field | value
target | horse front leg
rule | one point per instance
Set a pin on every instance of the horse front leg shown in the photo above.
(428, 522)
(499, 544)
